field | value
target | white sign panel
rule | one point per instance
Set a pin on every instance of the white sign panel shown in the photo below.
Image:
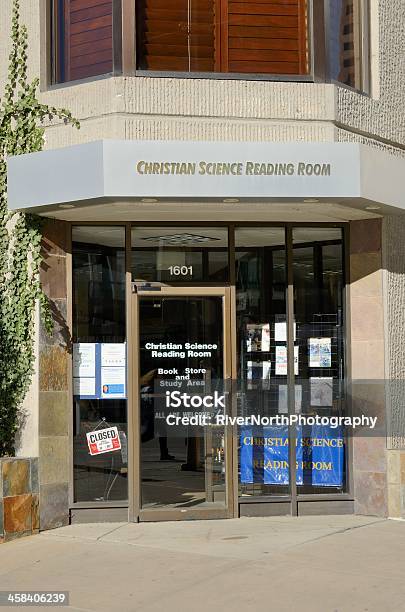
(281, 360)
(103, 441)
(280, 332)
(84, 360)
(113, 355)
(84, 386)
(124, 168)
(113, 383)
(319, 352)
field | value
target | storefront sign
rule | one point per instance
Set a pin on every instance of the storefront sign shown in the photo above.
(234, 168)
(264, 456)
(103, 441)
(175, 350)
(177, 169)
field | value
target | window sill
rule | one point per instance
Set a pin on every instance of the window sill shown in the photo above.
(226, 76)
(216, 76)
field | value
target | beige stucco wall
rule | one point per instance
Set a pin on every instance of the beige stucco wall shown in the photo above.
(232, 110)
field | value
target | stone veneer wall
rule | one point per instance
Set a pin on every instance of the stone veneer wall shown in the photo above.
(394, 265)
(54, 400)
(18, 498)
(367, 365)
(396, 484)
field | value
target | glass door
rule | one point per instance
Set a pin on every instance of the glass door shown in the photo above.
(183, 450)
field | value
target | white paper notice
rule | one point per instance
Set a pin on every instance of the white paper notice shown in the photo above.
(283, 399)
(265, 338)
(112, 382)
(280, 332)
(281, 360)
(113, 355)
(84, 386)
(84, 360)
(258, 337)
(321, 391)
(319, 352)
(266, 370)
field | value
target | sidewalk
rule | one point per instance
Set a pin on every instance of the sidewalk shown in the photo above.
(325, 564)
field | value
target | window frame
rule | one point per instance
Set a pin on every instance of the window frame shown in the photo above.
(124, 50)
(295, 497)
(55, 44)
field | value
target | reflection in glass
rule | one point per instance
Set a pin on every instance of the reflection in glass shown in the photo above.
(344, 41)
(98, 260)
(179, 255)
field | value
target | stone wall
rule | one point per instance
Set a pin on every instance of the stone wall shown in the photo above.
(19, 498)
(394, 266)
(396, 484)
(367, 365)
(54, 400)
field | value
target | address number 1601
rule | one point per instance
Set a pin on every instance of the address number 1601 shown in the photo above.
(181, 270)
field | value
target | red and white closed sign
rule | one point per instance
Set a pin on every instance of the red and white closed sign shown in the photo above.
(103, 441)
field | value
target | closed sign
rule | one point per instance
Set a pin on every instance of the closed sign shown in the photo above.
(103, 441)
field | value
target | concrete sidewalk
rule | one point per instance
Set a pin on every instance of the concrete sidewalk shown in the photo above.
(325, 564)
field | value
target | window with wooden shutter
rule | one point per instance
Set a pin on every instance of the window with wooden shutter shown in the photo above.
(88, 38)
(268, 37)
(256, 37)
(260, 36)
(177, 35)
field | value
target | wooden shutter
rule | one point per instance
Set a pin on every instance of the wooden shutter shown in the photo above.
(266, 36)
(88, 38)
(177, 35)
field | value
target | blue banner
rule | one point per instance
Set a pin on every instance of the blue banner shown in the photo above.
(319, 456)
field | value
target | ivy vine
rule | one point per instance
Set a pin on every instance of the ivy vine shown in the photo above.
(22, 119)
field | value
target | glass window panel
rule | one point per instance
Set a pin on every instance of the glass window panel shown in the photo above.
(181, 467)
(83, 38)
(180, 255)
(344, 41)
(98, 260)
(260, 260)
(319, 318)
(211, 36)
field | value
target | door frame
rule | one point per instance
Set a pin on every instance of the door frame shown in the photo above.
(136, 513)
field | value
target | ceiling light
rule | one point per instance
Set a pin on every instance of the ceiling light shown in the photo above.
(149, 200)
(66, 205)
(230, 200)
(311, 201)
